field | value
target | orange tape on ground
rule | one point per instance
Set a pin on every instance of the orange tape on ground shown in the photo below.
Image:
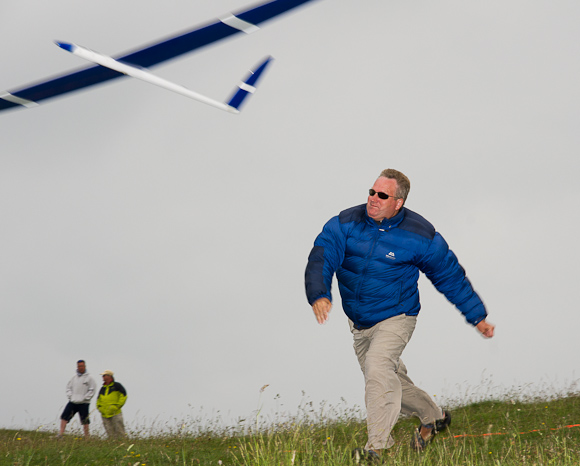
(507, 433)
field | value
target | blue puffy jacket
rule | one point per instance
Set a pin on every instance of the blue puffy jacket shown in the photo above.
(377, 267)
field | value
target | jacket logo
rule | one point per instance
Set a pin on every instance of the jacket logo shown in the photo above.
(390, 255)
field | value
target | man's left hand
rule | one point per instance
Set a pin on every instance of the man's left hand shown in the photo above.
(486, 329)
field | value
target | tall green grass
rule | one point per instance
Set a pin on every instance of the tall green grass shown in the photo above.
(505, 432)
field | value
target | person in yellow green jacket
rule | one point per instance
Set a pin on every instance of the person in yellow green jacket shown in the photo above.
(111, 399)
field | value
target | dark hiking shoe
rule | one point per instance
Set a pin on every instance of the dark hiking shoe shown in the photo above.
(418, 443)
(362, 456)
(440, 424)
(444, 423)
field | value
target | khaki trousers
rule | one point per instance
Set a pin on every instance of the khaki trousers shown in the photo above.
(388, 389)
(114, 426)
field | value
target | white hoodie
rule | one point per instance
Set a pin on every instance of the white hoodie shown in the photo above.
(81, 388)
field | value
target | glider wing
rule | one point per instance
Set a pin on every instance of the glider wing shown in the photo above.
(232, 106)
(245, 21)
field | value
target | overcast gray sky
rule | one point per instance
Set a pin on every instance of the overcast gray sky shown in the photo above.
(166, 240)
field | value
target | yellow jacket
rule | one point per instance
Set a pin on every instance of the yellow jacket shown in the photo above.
(111, 399)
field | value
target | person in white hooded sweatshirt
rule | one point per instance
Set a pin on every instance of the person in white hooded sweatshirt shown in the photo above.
(79, 390)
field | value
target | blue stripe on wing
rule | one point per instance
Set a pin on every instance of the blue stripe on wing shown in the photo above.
(149, 56)
(248, 86)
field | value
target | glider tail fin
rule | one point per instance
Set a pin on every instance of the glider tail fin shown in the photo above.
(248, 85)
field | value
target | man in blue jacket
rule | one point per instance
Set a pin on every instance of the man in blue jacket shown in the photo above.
(377, 250)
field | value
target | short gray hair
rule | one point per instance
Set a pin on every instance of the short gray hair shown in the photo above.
(403, 183)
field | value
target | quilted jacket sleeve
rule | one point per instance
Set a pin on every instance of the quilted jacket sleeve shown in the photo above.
(324, 259)
(441, 266)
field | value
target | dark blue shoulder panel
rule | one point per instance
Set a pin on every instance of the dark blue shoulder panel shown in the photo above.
(414, 223)
(354, 214)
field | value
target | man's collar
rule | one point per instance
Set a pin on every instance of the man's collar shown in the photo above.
(387, 223)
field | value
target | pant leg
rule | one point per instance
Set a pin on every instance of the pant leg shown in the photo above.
(378, 350)
(118, 425)
(114, 426)
(68, 412)
(83, 410)
(416, 402)
(108, 425)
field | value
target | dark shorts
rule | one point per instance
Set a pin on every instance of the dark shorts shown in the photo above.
(72, 408)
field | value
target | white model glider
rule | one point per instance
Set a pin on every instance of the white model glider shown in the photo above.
(246, 87)
(134, 63)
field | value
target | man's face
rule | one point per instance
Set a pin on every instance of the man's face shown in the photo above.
(107, 379)
(379, 209)
(81, 367)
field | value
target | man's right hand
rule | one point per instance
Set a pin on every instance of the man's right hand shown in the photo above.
(321, 308)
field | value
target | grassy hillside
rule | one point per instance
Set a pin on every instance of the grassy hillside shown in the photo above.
(487, 433)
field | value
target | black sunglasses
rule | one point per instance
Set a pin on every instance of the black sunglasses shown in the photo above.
(381, 195)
